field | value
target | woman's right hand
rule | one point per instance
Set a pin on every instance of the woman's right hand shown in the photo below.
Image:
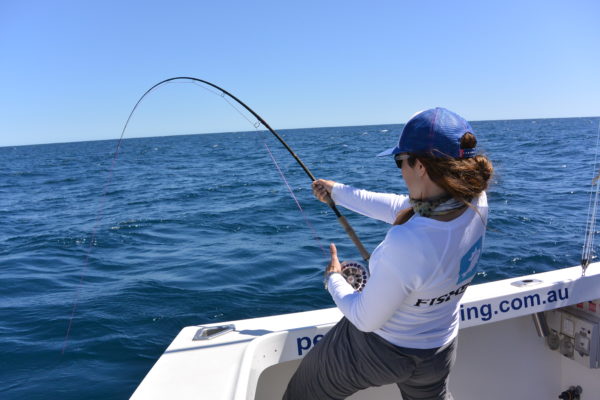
(322, 189)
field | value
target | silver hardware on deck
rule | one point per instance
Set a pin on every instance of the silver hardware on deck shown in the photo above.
(211, 332)
(526, 282)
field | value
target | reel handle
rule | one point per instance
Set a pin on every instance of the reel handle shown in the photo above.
(355, 273)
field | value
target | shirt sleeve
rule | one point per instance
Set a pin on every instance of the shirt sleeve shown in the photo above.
(382, 206)
(390, 283)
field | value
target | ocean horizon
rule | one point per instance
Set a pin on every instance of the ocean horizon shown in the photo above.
(282, 129)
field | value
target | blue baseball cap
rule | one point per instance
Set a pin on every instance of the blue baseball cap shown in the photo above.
(436, 131)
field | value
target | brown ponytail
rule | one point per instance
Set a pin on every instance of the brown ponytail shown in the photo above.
(461, 178)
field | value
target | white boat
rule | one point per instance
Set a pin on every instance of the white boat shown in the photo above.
(501, 354)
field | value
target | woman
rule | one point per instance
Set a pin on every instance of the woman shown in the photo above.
(402, 327)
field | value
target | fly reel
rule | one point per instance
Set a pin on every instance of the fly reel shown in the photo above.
(355, 273)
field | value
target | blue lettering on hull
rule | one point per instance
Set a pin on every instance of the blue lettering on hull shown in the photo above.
(305, 343)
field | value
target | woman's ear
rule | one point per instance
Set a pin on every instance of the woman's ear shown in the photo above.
(420, 168)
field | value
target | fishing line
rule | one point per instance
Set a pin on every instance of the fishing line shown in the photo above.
(355, 273)
(256, 125)
(99, 216)
(314, 232)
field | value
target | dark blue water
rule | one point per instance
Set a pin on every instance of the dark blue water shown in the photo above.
(195, 229)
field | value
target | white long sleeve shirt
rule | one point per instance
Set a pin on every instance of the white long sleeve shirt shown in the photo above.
(418, 273)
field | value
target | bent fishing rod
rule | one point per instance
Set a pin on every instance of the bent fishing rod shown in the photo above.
(341, 219)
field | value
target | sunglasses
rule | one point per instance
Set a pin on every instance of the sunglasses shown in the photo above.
(399, 158)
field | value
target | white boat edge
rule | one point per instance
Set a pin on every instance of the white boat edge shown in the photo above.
(230, 366)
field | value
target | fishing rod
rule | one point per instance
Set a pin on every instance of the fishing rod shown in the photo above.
(356, 277)
(588, 245)
(341, 219)
(587, 254)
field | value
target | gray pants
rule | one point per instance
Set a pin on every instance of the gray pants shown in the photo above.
(347, 360)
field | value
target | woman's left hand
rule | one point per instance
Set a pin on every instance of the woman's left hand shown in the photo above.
(334, 264)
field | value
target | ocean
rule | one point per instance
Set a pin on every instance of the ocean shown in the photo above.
(104, 262)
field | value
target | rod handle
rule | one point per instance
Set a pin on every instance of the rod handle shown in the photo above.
(346, 225)
(363, 252)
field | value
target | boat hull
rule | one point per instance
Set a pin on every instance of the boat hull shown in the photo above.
(500, 354)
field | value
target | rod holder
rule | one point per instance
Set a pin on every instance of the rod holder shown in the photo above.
(541, 325)
(211, 332)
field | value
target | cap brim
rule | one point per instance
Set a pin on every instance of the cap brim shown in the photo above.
(389, 152)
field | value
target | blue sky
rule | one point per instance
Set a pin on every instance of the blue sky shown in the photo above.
(72, 70)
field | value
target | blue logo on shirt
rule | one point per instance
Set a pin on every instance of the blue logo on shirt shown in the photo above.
(468, 264)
